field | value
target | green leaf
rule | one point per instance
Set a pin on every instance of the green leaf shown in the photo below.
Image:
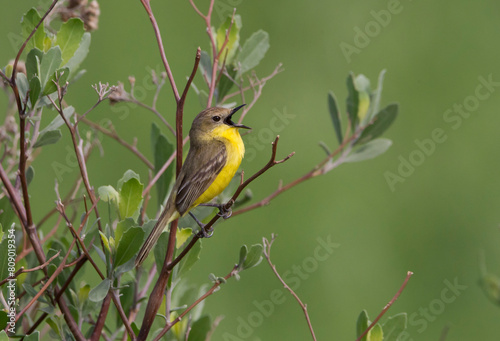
(335, 115)
(377, 95)
(362, 324)
(206, 66)
(382, 121)
(200, 329)
(48, 66)
(130, 199)
(3, 335)
(352, 101)
(60, 76)
(162, 150)
(191, 258)
(53, 325)
(243, 255)
(33, 336)
(233, 38)
(79, 56)
(30, 174)
(83, 293)
(252, 52)
(69, 37)
(129, 174)
(32, 292)
(35, 89)
(182, 236)
(28, 24)
(33, 61)
(254, 256)
(105, 241)
(48, 137)
(394, 326)
(225, 83)
(58, 121)
(122, 227)
(100, 291)
(129, 245)
(369, 150)
(22, 84)
(376, 333)
(109, 194)
(491, 286)
(3, 323)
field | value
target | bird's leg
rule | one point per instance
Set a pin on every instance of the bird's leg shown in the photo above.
(224, 209)
(202, 233)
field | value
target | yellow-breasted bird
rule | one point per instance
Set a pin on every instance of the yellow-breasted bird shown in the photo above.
(215, 153)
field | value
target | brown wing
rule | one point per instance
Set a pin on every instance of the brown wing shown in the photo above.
(198, 172)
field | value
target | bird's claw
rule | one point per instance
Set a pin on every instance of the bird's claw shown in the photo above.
(204, 233)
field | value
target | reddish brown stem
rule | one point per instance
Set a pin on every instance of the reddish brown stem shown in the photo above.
(388, 305)
(169, 325)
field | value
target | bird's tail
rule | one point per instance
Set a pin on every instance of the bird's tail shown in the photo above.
(169, 214)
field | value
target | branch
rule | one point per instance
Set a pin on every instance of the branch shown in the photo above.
(319, 169)
(36, 268)
(112, 133)
(169, 325)
(271, 163)
(147, 7)
(267, 253)
(408, 275)
(14, 198)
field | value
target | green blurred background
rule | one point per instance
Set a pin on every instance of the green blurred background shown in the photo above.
(435, 223)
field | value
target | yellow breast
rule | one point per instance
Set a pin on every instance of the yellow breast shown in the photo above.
(235, 150)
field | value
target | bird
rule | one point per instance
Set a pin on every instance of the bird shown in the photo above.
(215, 154)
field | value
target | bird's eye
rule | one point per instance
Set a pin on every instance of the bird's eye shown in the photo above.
(216, 118)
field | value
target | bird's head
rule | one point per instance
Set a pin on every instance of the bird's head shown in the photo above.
(214, 122)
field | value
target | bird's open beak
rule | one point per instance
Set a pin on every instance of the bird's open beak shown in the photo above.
(228, 120)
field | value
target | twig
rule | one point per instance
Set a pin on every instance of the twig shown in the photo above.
(36, 268)
(198, 301)
(216, 54)
(444, 333)
(14, 197)
(155, 298)
(112, 133)
(147, 7)
(388, 305)
(319, 169)
(272, 162)
(267, 253)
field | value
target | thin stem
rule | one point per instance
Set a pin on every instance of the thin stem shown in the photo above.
(319, 169)
(154, 111)
(36, 268)
(388, 305)
(267, 254)
(147, 7)
(214, 287)
(112, 133)
(14, 198)
(271, 163)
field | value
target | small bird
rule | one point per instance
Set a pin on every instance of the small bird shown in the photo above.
(215, 153)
